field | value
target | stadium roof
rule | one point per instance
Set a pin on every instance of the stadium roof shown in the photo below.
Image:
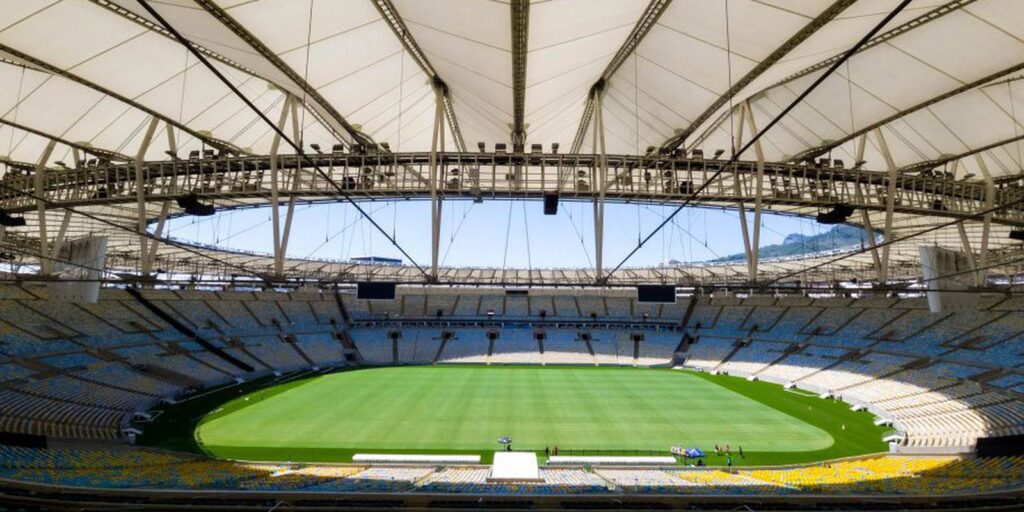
(941, 79)
(940, 82)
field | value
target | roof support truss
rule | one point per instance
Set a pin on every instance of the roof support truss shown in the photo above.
(335, 121)
(394, 20)
(931, 164)
(104, 154)
(647, 20)
(824, 148)
(37, 64)
(807, 31)
(915, 23)
(520, 48)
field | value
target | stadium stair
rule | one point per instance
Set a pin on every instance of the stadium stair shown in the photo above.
(736, 348)
(440, 347)
(237, 344)
(791, 349)
(840, 360)
(289, 339)
(690, 307)
(167, 375)
(163, 315)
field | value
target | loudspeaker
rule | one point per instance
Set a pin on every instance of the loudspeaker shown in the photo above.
(192, 206)
(837, 215)
(11, 222)
(550, 204)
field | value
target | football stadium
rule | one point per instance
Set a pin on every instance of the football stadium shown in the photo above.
(278, 255)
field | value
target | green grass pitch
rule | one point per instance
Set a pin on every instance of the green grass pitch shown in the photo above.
(464, 409)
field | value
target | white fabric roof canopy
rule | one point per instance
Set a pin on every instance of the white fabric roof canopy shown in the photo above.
(91, 72)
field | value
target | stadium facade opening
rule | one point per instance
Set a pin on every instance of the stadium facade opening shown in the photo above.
(560, 255)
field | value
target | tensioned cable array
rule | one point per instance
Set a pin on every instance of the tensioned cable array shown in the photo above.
(757, 136)
(279, 132)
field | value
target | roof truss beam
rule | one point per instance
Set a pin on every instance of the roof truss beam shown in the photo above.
(34, 63)
(647, 20)
(520, 47)
(931, 164)
(807, 31)
(824, 148)
(103, 154)
(915, 23)
(390, 14)
(335, 121)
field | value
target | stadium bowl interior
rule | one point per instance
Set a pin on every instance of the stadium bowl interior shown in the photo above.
(876, 363)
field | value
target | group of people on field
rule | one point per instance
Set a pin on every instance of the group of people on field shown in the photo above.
(727, 451)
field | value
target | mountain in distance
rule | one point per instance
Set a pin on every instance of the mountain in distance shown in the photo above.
(796, 244)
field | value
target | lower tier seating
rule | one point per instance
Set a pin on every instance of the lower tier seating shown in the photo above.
(129, 467)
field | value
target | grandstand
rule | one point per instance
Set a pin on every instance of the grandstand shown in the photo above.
(267, 255)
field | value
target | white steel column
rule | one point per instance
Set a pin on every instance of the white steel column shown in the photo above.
(869, 231)
(275, 145)
(437, 140)
(745, 233)
(890, 204)
(737, 143)
(140, 192)
(966, 242)
(295, 184)
(45, 265)
(150, 256)
(986, 227)
(602, 169)
(172, 144)
(58, 244)
(758, 196)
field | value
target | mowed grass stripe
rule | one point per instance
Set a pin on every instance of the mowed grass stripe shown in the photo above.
(468, 408)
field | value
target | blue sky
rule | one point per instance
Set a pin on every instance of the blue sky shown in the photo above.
(476, 234)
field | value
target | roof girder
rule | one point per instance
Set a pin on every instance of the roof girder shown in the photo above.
(520, 48)
(824, 148)
(97, 152)
(643, 25)
(40, 65)
(390, 14)
(807, 31)
(915, 23)
(334, 120)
